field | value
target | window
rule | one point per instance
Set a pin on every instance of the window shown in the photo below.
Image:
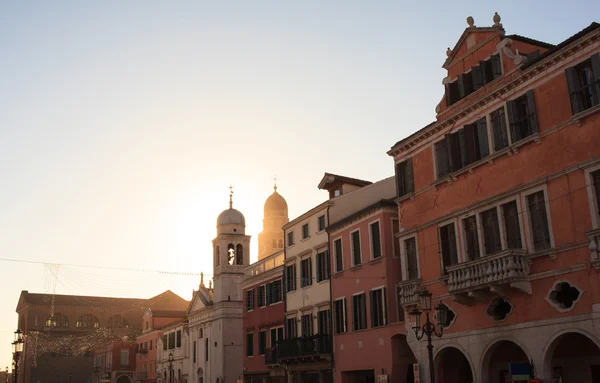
(404, 178)
(116, 321)
(378, 308)
(206, 349)
(87, 321)
(217, 256)
(276, 335)
(324, 321)
(150, 344)
(146, 325)
(583, 81)
(375, 240)
(262, 342)
(321, 222)
(57, 320)
(471, 238)
(164, 342)
(337, 248)
(323, 266)
(356, 257)
(194, 352)
(146, 346)
(250, 300)
(305, 231)
(522, 117)
(539, 221)
(412, 263)
(306, 272)
(462, 148)
(499, 132)
(200, 333)
(261, 296)
(307, 325)
(448, 246)
(274, 292)
(250, 344)
(290, 277)
(491, 231)
(486, 72)
(291, 328)
(452, 93)
(290, 238)
(171, 341)
(396, 230)
(178, 338)
(124, 357)
(359, 312)
(512, 227)
(339, 307)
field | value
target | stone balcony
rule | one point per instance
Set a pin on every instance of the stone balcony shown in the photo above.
(594, 247)
(496, 274)
(408, 292)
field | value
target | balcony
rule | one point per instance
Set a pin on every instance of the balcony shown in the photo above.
(316, 347)
(271, 357)
(594, 247)
(408, 292)
(484, 277)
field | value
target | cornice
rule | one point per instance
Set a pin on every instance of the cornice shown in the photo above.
(505, 85)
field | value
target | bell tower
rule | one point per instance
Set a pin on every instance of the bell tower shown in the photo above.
(270, 240)
(231, 254)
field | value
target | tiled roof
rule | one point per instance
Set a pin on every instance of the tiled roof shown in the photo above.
(530, 41)
(344, 179)
(168, 313)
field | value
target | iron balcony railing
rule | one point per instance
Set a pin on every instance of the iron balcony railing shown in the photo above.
(312, 346)
(271, 356)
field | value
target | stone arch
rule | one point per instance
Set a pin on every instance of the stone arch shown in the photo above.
(217, 256)
(123, 379)
(239, 254)
(457, 357)
(553, 342)
(230, 254)
(402, 357)
(519, 353)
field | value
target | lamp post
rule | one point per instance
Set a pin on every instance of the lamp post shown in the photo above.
(429, 328)
(17, 350)
(6, 375)
(170, 367)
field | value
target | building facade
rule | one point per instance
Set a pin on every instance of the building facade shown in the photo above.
(263, 319)
(173, 353)
(148, 342)
(498, 210)
(368, 325)
(215, 314)
(114, 362)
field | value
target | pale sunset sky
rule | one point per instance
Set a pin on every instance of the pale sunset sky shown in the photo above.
(122, 124)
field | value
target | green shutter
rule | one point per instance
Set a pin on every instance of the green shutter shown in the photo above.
(533, 123)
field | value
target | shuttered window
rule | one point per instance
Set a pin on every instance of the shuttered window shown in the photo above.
(375, 240)
(491, 231)
(499, 131)
(583, 81)
(323, 266)
(273, 292)
(472, 245)
(262, 342)
(261, 293)
(307, 325)
(324, 321)
(171, 341)
(479, 75)
(410, 249)
(306, 272)
(539, 221)
(290, 277)
(291, 328)
(178, 338)
(356, 256)
(522, 117)
(339, 307)
(250, 300)
(337, 244)
(249, 344)
(404, 178)
(378, 308)
(448, 246)
(512, 227)
(206, 349)
(359, 312)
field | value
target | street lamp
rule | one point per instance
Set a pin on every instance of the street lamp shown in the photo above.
(429, 329)
(170, 367)
(6, 375)
(17, 350)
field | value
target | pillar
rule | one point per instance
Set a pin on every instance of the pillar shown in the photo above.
(290, 377)
(321, 376)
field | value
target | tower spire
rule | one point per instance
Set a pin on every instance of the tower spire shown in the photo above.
(275, 183)
(230, 196)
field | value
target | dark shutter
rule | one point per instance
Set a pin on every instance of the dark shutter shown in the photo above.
(448, 102)
(410, 182)
(441, 158)
(461, 85)
(452, 244)
(454, 151)
(463, 149)
(576, 106)
(384, 306)
(496, 66)
(515, 132)
(482, 136)
(484, 71)
(373, 309)
(470, 149)
(532, 116)
(310, 271)
(477, 77)
(499, 129)
(319, 271)
(596, 70)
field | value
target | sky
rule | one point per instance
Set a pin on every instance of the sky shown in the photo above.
(122, 124)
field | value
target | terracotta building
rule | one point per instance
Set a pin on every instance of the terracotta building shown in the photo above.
(114, 362)
(59, 331)
(263, 319)
(147, 343)
(498, 206)
(368, 325)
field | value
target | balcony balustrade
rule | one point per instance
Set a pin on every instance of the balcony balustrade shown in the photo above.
(408, 292)
(594, 247)
(493, 274)
(318, 346)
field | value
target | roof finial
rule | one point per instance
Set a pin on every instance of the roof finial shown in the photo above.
(471, 21)
(230, 196)
(497, 20)
(275, 183)
(202, 279)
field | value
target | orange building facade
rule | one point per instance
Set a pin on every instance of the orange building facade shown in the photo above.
(499, 210)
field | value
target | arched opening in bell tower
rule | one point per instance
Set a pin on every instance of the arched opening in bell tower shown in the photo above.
(239, 255)
(230, 254)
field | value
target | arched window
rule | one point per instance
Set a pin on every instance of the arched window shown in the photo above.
(217, 256)
(87, 321)
(58, 320)
(230, 254)
(116, 321)
(239, 255)
(281, 243)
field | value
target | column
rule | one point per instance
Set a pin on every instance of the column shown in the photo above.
(290, 377)
(321, 376)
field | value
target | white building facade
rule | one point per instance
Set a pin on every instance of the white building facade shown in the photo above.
(172, 354)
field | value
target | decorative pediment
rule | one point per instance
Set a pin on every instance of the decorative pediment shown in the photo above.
(471, 39)
(201, 299)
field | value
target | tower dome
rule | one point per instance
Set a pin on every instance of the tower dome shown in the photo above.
(231, 221)
(275, 205)
(270, 240)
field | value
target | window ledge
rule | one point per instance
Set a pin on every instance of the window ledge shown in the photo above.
(354, 268)
(323, 281)
(375, 260)
(551, 252)
(405, 197)
(579, 117)
(337, 274)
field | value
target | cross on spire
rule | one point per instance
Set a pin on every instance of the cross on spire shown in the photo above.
(275, 183)
(231, 196)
